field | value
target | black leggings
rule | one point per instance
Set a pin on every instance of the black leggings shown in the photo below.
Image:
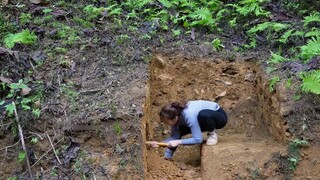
(209, 120)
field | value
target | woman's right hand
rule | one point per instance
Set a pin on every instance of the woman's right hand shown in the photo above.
(154, 144)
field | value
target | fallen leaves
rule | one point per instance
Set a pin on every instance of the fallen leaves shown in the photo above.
(4, 2)
(35, 1)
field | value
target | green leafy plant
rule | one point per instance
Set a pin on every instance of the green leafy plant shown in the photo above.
(13, 178)
(273, 82)
(114, 10)
(83, 22)
(314, 32)
(136, 4)
(202, 17)
(311, 82)
(288, 83)
(24, 37)
(217, 45)
(284, 38)
(34, 140)
(315, 17)
(246, 7)
(93, 12)
(22, 156)
(54, 172)
(311, 49)
(117, 128)
(47, 10)
(24, 102)
(25, 18)
(122, 38)
(267, 26)
(296, 97)
(176, 32)
(277, 58)
(294, 152)
(299, 142)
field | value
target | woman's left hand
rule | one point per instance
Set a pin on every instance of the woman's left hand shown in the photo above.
(174, 143)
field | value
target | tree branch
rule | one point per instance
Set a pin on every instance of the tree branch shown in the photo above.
(22, 139)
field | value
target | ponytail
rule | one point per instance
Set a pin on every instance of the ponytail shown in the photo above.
(171, 110)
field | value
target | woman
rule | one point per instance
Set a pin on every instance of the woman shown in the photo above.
(193, 117)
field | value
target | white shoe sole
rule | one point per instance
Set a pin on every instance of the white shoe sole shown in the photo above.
(211, 143)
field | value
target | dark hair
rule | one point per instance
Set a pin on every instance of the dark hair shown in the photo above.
(171, 110)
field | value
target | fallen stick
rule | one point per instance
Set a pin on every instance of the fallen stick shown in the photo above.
(5, 148)
(54, 150)
(161, 144)
(22, 139)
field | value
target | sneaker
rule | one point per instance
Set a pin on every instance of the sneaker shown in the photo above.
(212, 138)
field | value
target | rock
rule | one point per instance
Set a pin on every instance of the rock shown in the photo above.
(182, 166)
(165, 132)
(227, 83)
(5, 80)
(159, 61)
(25, 91)
(124, 137)
(287, 134)
(39, 56)
(165, 77)
(37, 104)
(250, 77)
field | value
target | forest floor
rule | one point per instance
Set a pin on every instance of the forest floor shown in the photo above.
(100, 90)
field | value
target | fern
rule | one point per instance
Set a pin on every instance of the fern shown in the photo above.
(24, 37)
(166, 3)
(314, 32)
(267, 25)
(277, 58)
(273, 82)
(251, 6)
(311, 82)
(114, 10)
(312, 48)
(203, 17)
(298, 33)
(311, 18)
(94, 12)
(284, 38)
(136, 4)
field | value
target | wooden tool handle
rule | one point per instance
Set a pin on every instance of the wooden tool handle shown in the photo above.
(159, 143)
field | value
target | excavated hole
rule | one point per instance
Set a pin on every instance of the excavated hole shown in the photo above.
(232, 84)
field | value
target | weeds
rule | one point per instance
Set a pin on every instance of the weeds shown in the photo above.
(25, 18)
(117, 128)
(93, 12)
(24, 37)
(217, 45)
(22, 156)
(294, 152)
(273, 82)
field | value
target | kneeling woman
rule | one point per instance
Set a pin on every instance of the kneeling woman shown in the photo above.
(193, 117)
